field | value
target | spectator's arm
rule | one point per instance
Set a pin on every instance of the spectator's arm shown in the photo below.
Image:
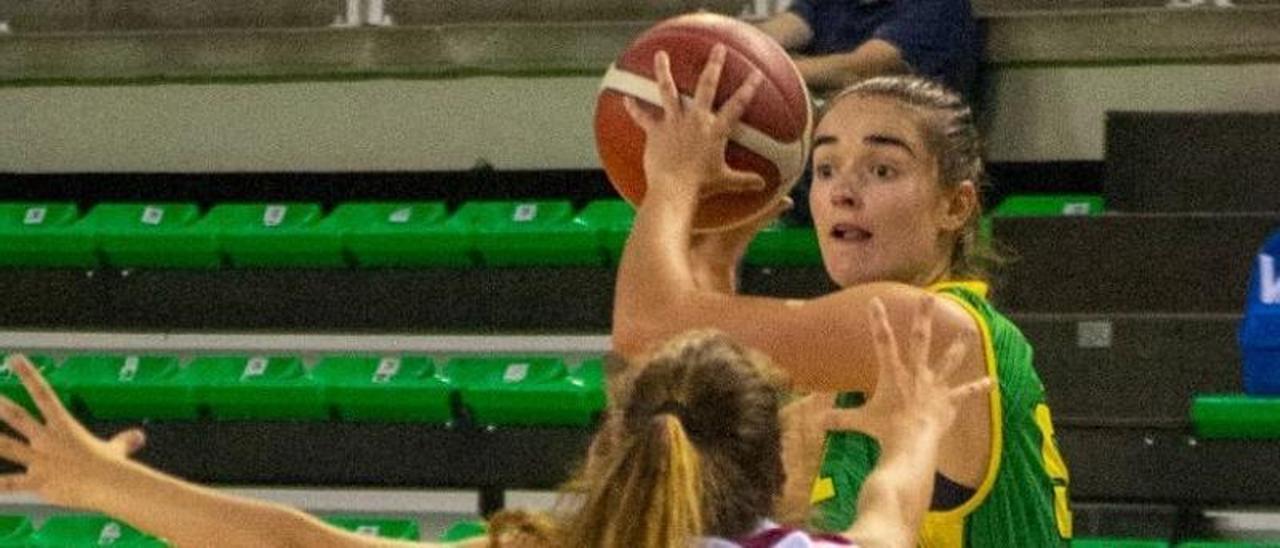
(937, 39)
(831, 72)
(788, 29)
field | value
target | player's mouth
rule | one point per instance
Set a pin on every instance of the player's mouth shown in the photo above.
(847, 232)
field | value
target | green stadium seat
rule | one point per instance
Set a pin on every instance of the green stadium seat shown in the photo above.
(384, 389)
(258, 387)
(1118, 543)
(611, 220)
(529, 233)
(402, 235)
(1049, 205)
(277, 235)
(128, 387)
(15, 531)
(84, 530)
(782, 245)
(44, 235)
(1236, 416)
(399, 529)
(463, 530)
(153, 235)
(528, 391)
(1042, 205)
(11, 386)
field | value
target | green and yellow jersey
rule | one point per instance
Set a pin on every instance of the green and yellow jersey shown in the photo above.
(1022, 500)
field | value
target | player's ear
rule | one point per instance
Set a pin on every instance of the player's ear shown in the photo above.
(959, 205)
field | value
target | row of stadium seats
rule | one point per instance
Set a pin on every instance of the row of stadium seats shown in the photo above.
(179, 235)
(542, 391)
(86, 530)
(252, 235)
(1044, 205)
(496, 390)
(1236, 416)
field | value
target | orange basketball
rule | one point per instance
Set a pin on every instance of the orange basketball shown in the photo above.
(772, 138)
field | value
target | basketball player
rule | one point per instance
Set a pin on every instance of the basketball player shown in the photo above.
(897, 171)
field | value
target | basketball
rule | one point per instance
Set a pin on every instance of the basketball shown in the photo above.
(772, 137)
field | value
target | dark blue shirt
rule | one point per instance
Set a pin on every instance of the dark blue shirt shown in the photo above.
(938, 39)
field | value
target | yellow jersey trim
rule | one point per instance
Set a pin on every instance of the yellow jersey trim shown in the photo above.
(947, 524)
(974, 286)
(1057, 470)
(823, 489)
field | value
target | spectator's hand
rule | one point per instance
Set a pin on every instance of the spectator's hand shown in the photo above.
(911, 393)
(63, 460)
(685, 143)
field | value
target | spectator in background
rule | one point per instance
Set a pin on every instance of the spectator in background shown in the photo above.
(839, 42)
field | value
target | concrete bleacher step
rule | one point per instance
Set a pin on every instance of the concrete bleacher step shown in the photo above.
(1160, 466)
(1169, 162)
(108, 15)
(1131, 263)
(1021, 7)
(385, 454)
(475, 300)
(1132, 370)
(481, 300)
(1112, 520)
(1167, 466)
(63, 40)
(414, 12)
(126, 15)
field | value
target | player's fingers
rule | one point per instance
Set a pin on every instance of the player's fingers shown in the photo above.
(638, 115)
(41, 393)
(14, 482)
(971, 389)
(735, 181)
(951, 360)
(18, 419)
(886, 348)
(704, 95)
(921, 335)
(737, 103)
(666, 84)
(129, 441)
(14, 451)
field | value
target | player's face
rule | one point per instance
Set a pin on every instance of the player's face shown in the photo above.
(876, 202)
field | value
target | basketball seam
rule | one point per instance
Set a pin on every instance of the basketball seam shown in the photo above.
(691, 33)
(788, 156)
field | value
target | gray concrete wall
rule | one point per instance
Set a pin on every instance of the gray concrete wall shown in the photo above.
(1053, 113)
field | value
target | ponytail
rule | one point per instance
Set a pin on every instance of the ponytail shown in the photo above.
(688, 448)
(650, 495)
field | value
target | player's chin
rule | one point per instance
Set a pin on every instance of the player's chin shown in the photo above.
(847, 273)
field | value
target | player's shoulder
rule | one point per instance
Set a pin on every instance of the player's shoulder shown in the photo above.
(902, 301)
